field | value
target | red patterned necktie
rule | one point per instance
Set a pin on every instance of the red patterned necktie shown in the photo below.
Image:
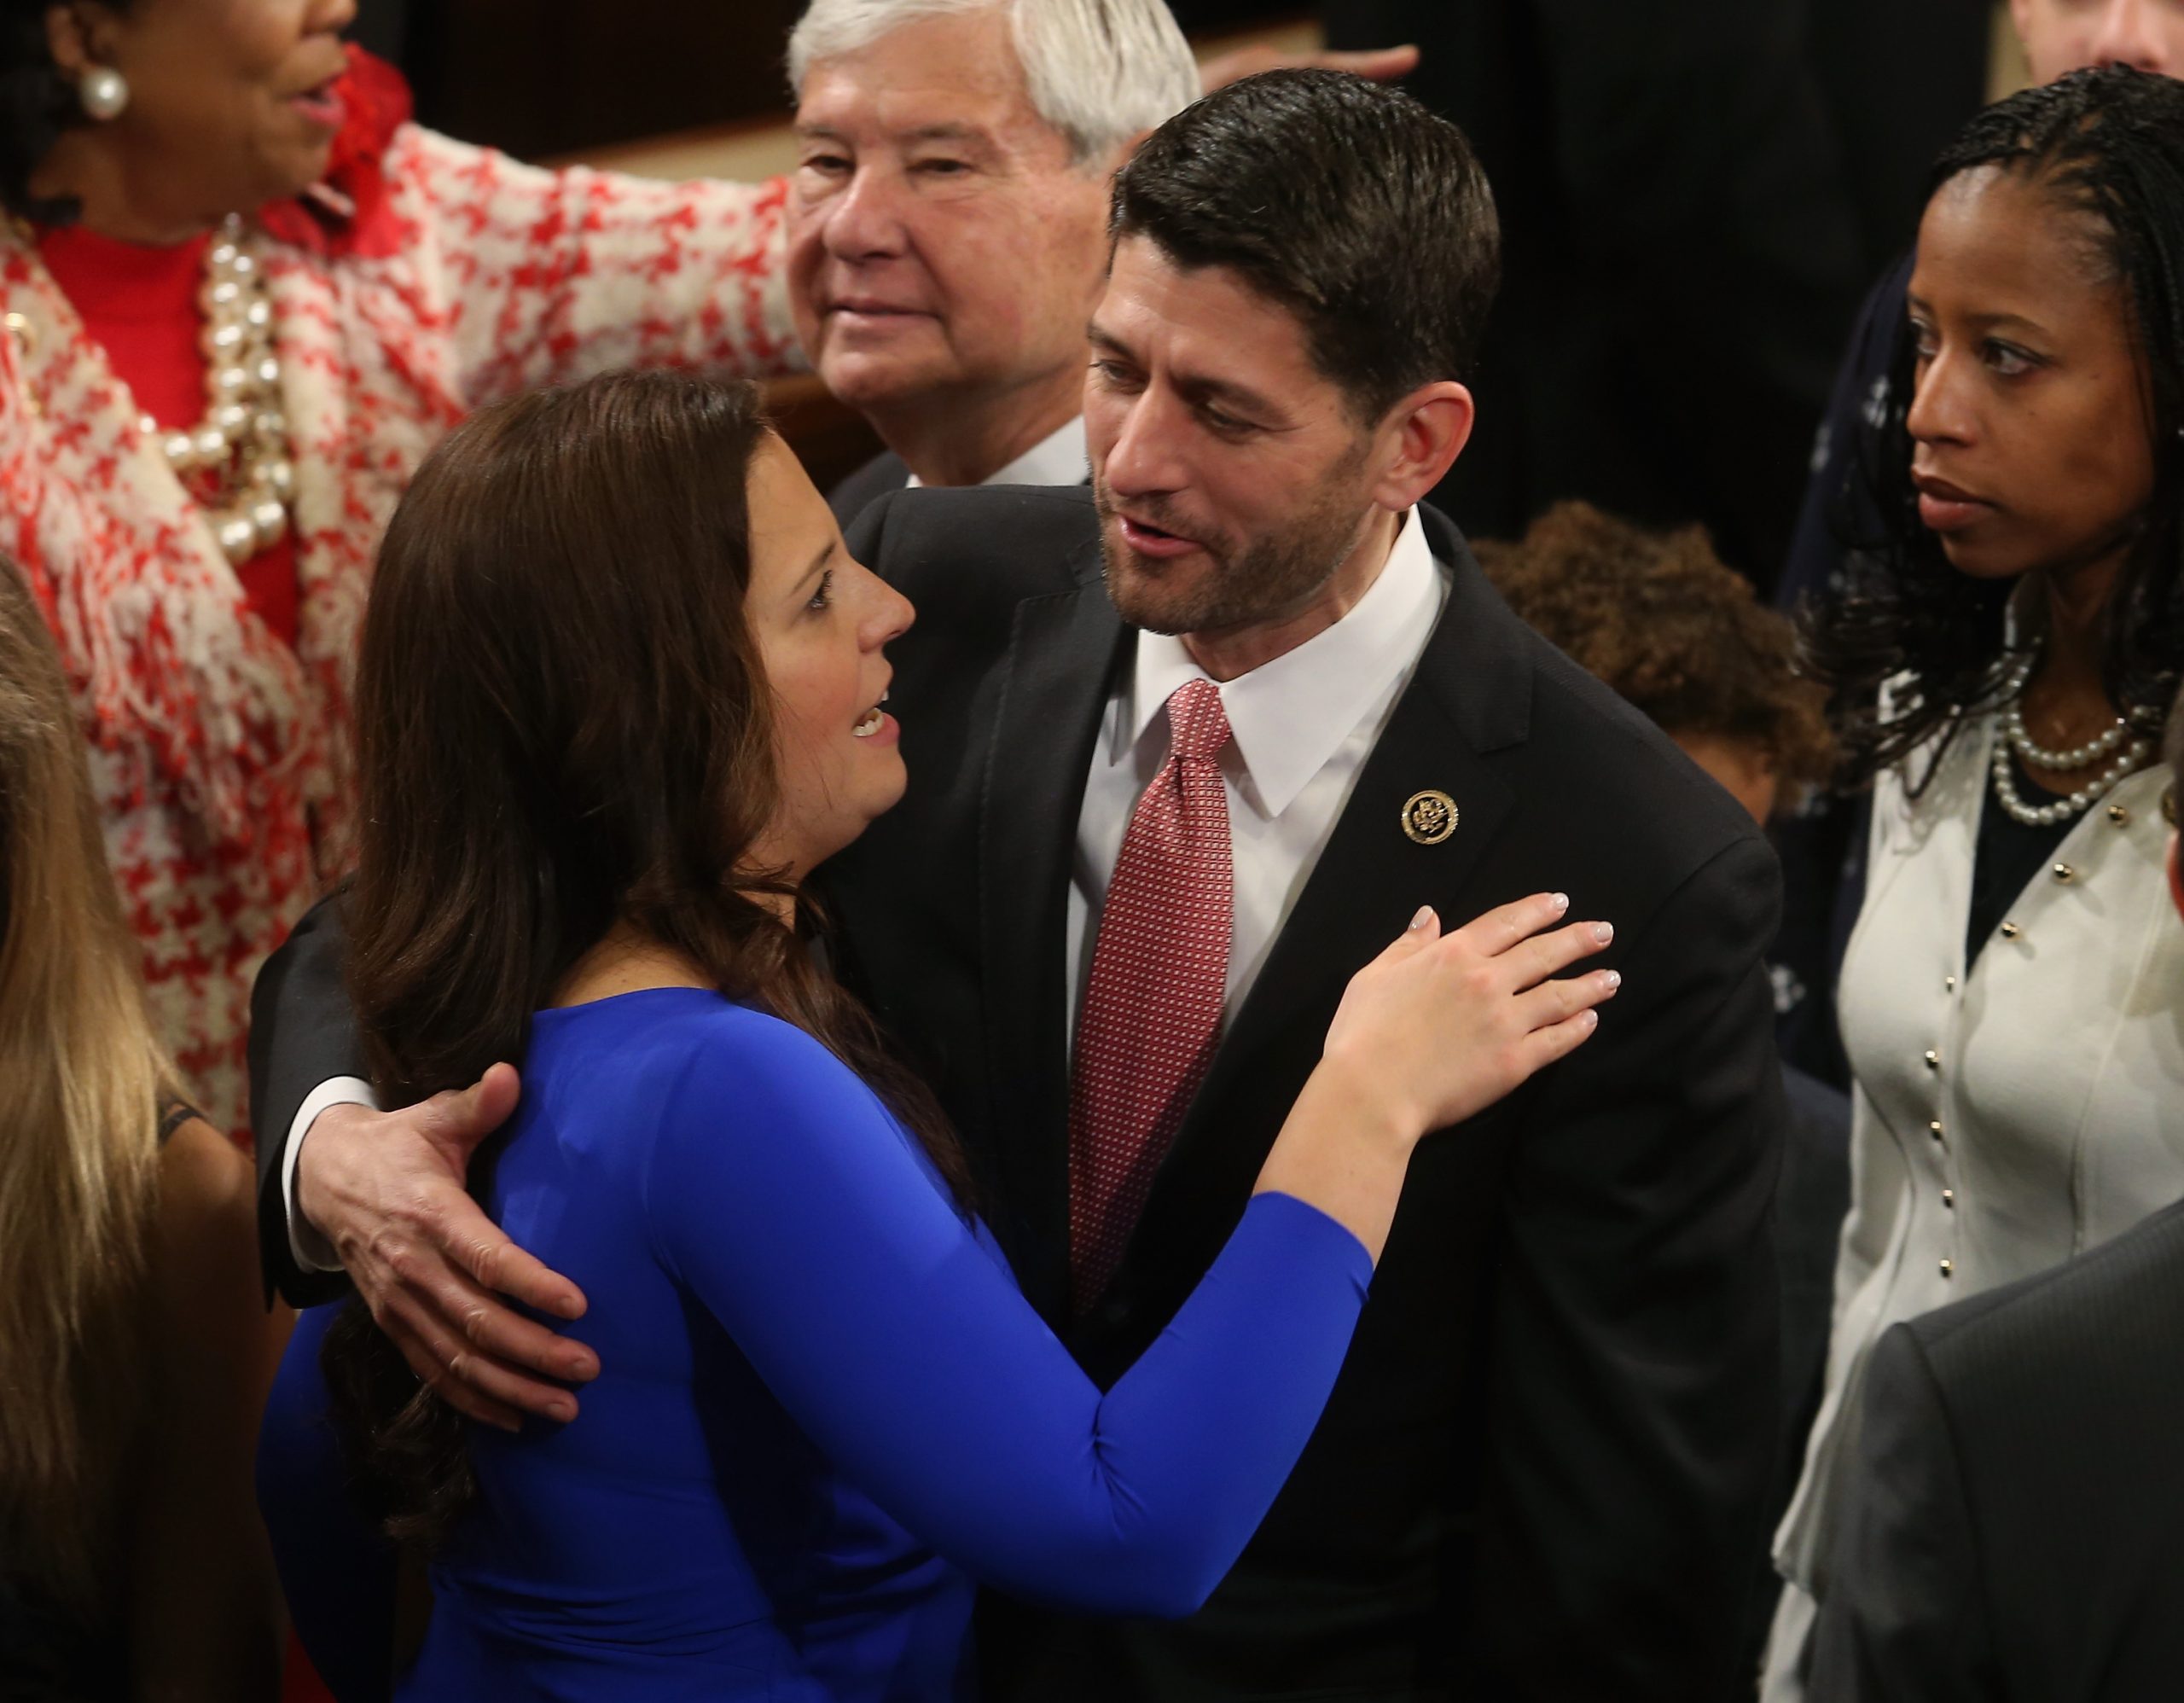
(1152, 1012)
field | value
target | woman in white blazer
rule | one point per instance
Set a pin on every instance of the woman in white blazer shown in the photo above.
(2003, 659)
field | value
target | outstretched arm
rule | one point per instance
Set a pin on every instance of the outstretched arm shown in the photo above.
(386, 1189)
(797, 1210)
(551, 275)
(783, 1194)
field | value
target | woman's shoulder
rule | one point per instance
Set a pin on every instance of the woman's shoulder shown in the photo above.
(697, 1040)
(206, 1184)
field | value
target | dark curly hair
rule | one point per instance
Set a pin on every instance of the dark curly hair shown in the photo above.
(2108, 144)
(36, 104)
(1660, 619)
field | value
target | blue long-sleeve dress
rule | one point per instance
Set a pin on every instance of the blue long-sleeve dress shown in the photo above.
(824, 1411)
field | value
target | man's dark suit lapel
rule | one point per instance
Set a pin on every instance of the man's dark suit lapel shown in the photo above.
(1062, 657)
(1470, 697)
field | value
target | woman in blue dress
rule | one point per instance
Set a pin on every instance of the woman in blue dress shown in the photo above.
(620, 690)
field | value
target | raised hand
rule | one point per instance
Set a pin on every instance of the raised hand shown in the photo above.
(1443, 1026)
(1431, 1032)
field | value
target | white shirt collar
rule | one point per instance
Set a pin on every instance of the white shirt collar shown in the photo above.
(1056, 459)
(1290, 716)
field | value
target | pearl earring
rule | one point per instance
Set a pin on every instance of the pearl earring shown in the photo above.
(104, 92)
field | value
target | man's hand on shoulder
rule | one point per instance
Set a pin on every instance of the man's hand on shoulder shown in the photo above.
(386, 1189)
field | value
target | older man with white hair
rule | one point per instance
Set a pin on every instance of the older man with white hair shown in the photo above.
(948, 218)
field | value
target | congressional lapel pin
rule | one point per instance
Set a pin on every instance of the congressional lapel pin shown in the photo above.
(1430, 816)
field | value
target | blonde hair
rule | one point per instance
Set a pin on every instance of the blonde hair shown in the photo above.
(84, 1079)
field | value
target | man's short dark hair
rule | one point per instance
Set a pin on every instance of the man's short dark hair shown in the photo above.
(1345, 202)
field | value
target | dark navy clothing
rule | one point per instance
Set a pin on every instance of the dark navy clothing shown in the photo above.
(825, 1408)
(1823, 847)
(1836, 504)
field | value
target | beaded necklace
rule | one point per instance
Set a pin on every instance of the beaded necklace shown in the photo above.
(239, 452)
(2015, 738)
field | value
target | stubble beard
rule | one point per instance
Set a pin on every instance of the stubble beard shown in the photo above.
(1262, 578)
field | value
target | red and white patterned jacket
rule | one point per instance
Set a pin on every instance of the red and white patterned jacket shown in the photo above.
(221, 759)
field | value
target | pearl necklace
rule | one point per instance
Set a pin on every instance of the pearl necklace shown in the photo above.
(2037, 757)
(242, 444)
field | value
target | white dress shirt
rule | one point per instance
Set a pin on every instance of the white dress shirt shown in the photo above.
(1059, 458)
(1304, 725)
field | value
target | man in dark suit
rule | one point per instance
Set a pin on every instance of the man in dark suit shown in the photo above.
(2011, 1530)
(1544, 1472)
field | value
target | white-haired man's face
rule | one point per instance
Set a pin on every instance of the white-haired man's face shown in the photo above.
(2062, 36)
(944, 250)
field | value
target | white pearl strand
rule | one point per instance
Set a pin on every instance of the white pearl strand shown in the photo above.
(244, 435)
(2038, 757)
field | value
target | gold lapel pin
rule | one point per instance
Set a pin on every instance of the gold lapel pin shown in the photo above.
(1430, 816)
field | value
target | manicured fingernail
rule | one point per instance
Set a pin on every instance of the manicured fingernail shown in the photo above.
(1614, 980)
(1425, 915)
(1592, 1020)
(1560, 901)
(1603, 931)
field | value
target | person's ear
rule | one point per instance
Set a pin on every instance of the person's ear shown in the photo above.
(64, 40)
(75, 36)
(1430, 428)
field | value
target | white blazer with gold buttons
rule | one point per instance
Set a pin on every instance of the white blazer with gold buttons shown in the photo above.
(2004, 1116)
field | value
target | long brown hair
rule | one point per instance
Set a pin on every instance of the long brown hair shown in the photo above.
(82, 1076)
(563, 726)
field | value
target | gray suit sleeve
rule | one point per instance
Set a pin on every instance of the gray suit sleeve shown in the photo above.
(1905, 1618)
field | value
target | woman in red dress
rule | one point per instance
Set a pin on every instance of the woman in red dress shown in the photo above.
(243, 296)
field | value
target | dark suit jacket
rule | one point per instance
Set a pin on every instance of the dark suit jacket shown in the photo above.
(2013, 1530)
(300, 1003)
(884, 472)
(1544, 1471)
